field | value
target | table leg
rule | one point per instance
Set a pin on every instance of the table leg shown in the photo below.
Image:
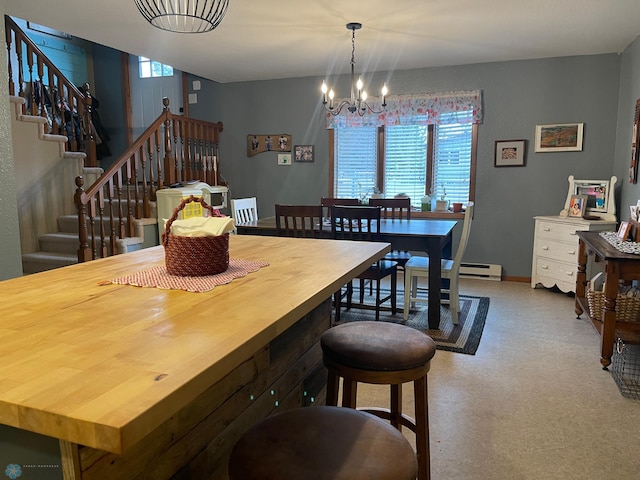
(581, 278)
(435, 273)
(607, 335)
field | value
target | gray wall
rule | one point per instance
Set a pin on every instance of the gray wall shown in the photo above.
(629, 93)
(10, 261)
(517, 96)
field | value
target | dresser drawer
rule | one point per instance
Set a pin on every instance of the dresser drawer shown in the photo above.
(566, 252)
(561, 271)
(559, 231)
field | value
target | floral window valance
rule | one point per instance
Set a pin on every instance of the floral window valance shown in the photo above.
(419, 109)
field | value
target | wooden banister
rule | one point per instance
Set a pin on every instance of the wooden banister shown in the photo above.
(48, 93)
(172, 149)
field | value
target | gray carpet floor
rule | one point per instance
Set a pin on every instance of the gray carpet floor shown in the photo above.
(533, 403)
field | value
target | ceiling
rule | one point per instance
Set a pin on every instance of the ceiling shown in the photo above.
(264, 39)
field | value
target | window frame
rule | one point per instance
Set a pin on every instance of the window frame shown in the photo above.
(380, 165)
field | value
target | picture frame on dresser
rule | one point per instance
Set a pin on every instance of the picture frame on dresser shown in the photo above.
(600, 203)
(577, 205)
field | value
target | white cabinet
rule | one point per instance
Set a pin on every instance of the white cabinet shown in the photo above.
(555, 249)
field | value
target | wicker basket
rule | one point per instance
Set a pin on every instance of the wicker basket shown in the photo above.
(627, 308)
(194, 256)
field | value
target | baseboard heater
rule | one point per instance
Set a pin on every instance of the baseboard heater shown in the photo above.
(481, 270)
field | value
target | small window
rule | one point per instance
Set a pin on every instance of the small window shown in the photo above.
(150, 68)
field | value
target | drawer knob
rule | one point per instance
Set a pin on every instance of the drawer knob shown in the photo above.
(545, 267)
(547, 229)
(570, 274)
(545, 248)
(571, 252)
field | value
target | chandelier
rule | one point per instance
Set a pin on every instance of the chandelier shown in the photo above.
(358, 101)
(183, 16)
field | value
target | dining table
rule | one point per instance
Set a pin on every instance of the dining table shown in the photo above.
(431, 236)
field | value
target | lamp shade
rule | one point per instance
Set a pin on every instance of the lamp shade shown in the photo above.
(183, 16)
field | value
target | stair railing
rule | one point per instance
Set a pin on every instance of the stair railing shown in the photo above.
(48, 93)
(172, 149)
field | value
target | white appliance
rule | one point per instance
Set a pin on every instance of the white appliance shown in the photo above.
(168, 199)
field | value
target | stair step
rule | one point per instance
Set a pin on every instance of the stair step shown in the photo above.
(41, 261)
(59, 242)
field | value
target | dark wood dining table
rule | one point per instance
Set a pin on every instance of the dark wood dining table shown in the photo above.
(417, 234)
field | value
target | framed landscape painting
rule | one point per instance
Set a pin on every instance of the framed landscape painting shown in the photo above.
(559, 137)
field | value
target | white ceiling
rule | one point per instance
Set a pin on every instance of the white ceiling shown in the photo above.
(269, 39)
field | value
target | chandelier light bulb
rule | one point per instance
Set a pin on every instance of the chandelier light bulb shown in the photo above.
(331, 94)
(364, 96)
(324, 87)
(384, 90)
(359, 84)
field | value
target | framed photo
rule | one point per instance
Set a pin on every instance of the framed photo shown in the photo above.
(280, 142)
(635, 145)
(559, 137)
(509, 153)
(577, 205)
(303, 153)
(623, 230)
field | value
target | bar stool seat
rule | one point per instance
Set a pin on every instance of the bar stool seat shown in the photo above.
(387, 354)
(322, 443)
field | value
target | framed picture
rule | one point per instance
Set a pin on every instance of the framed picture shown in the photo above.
(623, 230)
(509, 153)
(559, 137)
(303, 153)
(635, 145)
(577, 205)
(280, 142)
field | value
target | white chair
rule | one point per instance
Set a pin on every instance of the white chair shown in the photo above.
(418, 267)
(244, 210)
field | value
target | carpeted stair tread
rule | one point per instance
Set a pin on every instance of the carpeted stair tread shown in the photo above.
(60, 242)
(41, 261)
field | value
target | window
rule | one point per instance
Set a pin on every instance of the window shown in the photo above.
(406, 159)
(151, 68)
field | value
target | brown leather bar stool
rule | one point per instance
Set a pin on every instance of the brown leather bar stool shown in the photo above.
(387, 354)
(322, 443)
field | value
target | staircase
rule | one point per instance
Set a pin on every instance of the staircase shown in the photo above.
(60, 249)
(47, 244)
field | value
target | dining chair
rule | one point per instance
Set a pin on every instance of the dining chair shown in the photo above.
(328, 202)
(395, 209)
(418, 267)
(303, 221)
(363, 223)
(244, 210)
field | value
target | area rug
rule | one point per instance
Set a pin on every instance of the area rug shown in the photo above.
(461, 338)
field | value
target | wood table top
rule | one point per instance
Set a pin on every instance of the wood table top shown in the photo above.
(103, 365)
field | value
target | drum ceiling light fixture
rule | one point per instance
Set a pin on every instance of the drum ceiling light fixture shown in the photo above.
(358, 101)
(183, 16)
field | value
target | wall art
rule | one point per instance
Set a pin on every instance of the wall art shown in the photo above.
(559, 137)
(268, 143)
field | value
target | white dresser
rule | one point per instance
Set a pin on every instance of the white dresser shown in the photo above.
(555, 249)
